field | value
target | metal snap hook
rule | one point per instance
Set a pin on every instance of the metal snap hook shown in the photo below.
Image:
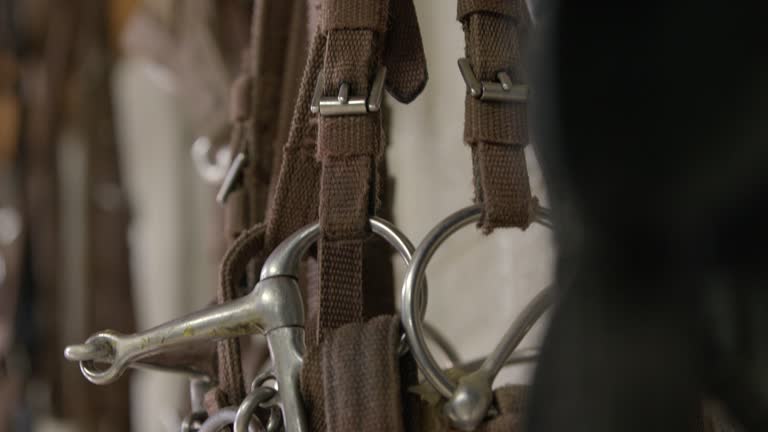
(470, 399)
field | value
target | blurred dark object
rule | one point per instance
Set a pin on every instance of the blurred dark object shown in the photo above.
(651, 131)
(63, 88)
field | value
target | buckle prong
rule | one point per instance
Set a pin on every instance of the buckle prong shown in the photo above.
(343, 103)
(502, 91)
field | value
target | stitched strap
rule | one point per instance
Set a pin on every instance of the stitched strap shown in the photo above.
(342, 189)
(336, 162)
(355, 375)
(497, 132)
(257, 97)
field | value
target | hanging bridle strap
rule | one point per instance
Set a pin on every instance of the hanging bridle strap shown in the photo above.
(255, 105)
(496, 119)
(350, 146)
(354, 41)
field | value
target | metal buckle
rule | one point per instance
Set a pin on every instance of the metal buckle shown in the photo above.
(343, 104)
(502, 91)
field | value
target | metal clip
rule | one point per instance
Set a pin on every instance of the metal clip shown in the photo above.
(343, 104)
(230, 178)
(502, 91)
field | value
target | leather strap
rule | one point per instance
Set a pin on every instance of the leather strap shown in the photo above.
(497, 132)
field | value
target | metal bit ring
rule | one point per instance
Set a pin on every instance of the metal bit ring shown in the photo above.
(415, 275)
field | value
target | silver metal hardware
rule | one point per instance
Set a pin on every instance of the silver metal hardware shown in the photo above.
(343, 103)
(473, 396)
(248, 408)
(212, 169)
(502, 91)
(193, 421)
(470, 400)
(273, 308)
(100, 352)
(230, 178)
(226, 417)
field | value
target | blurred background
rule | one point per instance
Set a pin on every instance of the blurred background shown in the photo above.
(108, 221)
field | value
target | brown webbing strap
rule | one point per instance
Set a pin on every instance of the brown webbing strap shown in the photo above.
(295, 201)
(351, 148)
(243, 250)
(497, 132)
(352, 381)
(257, 96)
(296, 197)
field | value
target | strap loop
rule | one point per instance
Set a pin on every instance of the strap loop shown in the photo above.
(510, 8)
(355, 15)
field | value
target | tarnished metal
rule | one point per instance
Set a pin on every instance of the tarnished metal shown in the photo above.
(230, 177)
(225, 417)
(473, 396)
(502, 91)
(273, 308)
(343, 103)
(467, 407)
(248, 408)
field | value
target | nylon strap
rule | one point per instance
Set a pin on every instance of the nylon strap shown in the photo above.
(497, 132)
(331, 170)
(264, 89)
(352, 381)
(347, 179)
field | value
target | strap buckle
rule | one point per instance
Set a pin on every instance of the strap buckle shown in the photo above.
(343, 104)
(502, 91)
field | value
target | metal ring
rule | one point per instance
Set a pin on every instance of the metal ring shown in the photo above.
(248, 407)
(287, 256)
(226, 417)
(413, 278)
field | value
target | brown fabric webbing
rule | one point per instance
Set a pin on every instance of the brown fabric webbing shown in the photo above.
(351, 148)
(497, 132)
(342, 188)
(265, 88)
(352, 381)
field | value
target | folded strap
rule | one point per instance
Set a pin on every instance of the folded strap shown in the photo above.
(497, 132)
(247, 247)
(339, 158)
(259, 96)
(352, 380)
